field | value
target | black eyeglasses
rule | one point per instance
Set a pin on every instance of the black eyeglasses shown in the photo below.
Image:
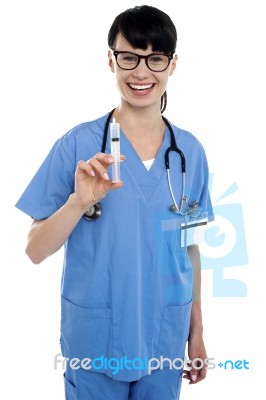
(155, 62)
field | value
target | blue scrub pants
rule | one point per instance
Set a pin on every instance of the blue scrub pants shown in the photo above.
(162, 384)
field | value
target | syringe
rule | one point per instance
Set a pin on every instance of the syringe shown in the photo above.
(115, 150)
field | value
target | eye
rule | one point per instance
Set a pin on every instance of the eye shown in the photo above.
(157, 59)
(128, 58)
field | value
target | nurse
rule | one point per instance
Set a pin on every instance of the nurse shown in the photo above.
(129, 300)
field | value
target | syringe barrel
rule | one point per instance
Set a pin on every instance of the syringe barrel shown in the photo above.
(116, 172)
(115, 150)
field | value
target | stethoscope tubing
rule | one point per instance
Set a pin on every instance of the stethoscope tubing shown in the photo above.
(172, 148)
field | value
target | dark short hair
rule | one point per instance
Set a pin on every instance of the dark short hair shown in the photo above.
(142, 26)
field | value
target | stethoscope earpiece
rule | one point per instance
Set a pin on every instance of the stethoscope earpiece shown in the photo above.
(93, 213)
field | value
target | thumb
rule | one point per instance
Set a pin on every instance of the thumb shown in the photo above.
(193, 374)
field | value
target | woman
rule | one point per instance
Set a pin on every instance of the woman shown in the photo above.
(127, 282)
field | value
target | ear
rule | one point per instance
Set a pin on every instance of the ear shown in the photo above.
(111, 61)
(173, 65)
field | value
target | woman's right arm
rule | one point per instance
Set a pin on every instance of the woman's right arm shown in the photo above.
(91, 185)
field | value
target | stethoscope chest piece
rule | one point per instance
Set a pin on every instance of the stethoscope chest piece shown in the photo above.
(191, 210)
(93, 213)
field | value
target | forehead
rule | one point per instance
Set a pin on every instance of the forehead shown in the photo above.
(121, 44)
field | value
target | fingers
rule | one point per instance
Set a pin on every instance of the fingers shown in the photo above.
(98, 165)
(84, 167)
(98, 168)
(195, 375)
(186, 374)
(116, 185)
(201, 374)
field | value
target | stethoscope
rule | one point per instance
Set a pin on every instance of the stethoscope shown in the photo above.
(95, 211)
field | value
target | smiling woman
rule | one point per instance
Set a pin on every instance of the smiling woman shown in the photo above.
(127, 283)
(143, 75)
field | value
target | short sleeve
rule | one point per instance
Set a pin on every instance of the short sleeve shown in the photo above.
(197, 166)
(205, 199)
(53, 182)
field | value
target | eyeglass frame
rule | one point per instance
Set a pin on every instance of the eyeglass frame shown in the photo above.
(116, 53)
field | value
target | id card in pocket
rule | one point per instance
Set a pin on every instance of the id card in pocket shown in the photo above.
(193, 230)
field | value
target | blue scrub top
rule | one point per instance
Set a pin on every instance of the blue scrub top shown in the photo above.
(127, 283)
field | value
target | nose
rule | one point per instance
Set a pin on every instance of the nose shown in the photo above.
(141, 70)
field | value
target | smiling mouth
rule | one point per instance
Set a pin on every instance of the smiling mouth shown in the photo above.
(141, 87)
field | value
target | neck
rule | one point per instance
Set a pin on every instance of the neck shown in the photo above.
(140, 122)
(143, 127)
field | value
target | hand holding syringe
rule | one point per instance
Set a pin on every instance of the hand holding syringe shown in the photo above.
(115, 150)
(92, 181)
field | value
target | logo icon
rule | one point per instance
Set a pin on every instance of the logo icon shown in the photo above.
(224, 245)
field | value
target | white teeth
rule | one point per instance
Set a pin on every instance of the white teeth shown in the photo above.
(141, 87)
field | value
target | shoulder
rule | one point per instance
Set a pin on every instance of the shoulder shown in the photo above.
(186, 137)
(93, 129)
(187, 140)
(190, 145)
(84, 136)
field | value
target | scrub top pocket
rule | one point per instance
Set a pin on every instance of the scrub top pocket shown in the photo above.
(85, 332)
(71, 393)
(174, 331)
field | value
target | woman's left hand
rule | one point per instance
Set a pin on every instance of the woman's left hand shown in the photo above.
(197, 368)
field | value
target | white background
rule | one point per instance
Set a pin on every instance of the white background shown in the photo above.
(54, 75)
